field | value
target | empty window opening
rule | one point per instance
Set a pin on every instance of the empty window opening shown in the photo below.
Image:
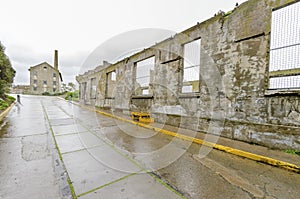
(111, 78)
(144, 76)
(191, 66)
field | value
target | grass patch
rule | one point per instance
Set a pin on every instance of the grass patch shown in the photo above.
(74, 96)
(294, 152)
(6, 102)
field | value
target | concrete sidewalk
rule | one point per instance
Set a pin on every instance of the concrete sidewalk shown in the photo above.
(96, 168)
(29, 164)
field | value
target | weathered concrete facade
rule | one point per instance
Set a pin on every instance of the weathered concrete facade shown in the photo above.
(45, 78)
(234, 99)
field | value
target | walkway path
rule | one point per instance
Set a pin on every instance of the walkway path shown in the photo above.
(50, 148)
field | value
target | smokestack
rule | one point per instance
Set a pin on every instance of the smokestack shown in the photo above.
(56, 60)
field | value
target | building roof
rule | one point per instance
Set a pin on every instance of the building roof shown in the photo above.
(43, 63)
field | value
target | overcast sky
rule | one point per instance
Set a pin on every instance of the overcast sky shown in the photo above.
(31, 30)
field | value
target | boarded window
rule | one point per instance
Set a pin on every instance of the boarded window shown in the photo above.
(191, 66)
(284, 64)
(83, 91)
(93, 88)
(144, 76)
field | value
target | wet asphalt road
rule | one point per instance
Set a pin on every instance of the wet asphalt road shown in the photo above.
(106, 158)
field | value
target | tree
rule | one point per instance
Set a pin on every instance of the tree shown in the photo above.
(7, 73)
(72, 86)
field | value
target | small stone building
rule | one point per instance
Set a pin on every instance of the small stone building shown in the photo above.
(235, 75)
(45, 78)
(20, 89)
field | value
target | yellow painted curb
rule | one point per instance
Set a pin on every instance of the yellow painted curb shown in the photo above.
(248, 155)
(4, 113)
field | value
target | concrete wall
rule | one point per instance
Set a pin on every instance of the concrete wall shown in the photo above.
(234, 100)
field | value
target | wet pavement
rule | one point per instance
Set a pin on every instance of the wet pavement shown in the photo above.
(48, 144)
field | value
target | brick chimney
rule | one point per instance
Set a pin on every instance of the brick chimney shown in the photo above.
(56, 60)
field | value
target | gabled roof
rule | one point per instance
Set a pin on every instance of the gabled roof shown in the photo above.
(45, 63)
(41, 65)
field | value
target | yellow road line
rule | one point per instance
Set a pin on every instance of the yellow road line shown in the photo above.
(248, 155)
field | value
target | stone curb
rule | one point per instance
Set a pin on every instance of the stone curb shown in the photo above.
(244, 154)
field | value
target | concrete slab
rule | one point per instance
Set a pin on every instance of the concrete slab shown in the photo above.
(64, 121)
(68, 143)
(21, 168)
(68, 129)
(112, 158)
(87, 173)
(134, 187)
(79, 141)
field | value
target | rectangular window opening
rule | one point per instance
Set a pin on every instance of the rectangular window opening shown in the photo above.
(111, 78)
(191, 67)
(144, 76)
(93, 88)
(284, 60)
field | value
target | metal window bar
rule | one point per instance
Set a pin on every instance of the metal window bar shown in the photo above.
(285, 45)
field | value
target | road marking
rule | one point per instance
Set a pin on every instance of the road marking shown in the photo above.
(248, 155)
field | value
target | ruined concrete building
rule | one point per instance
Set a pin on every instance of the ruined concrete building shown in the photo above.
(236, 75)
(45, 78)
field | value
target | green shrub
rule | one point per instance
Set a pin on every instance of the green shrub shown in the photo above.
(10, 99)
(291, 151)
(3, 104)
(72, 95)
(46, 93)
